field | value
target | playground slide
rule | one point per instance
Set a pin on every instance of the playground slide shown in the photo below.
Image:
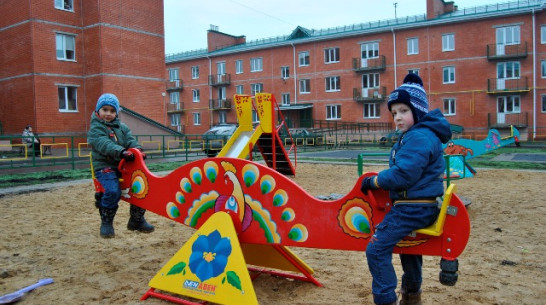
(238, 144)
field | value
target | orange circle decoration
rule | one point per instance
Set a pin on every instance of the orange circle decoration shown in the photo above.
(139, 184)
(355, 218)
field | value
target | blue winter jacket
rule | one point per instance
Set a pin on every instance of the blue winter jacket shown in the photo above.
(416, 165)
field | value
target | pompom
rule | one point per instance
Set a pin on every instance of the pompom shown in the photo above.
(413, 78)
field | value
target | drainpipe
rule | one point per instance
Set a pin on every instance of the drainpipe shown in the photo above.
(211, 121)
(534, 80)
(295, 74)
(394, 51)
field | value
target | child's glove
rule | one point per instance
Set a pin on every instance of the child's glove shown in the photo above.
(369, 183)
(127, 155)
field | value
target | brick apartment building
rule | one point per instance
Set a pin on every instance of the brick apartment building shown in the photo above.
(485, 67)
(58, 56)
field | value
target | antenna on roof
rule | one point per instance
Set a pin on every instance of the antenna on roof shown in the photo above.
(395, 5)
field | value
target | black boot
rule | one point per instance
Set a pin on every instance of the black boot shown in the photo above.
(107, 222)
(137, 220)
(410, 298)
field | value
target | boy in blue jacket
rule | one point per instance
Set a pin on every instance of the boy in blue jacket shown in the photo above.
(110, 140)
(414, 181)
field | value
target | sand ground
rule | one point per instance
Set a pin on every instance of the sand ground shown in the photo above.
(54, 233)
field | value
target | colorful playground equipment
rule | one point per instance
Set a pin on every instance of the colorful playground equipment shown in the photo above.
(246, 215)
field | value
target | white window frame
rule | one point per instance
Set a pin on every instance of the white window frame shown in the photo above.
(194, 72)
(256, 64)
(508, 35)
(414, 71)
(67, 103)
(331, 55)
(370, 81)
(448, 42)
(543, 68)
(239, 89)
(175, 119)
(305, 86)
(510, 104)
(450, 106)
(333, 83)
(65, 5)
(285, 72)
(543, 34)
(222, 117)
(371, 111)
(448, 75)
(256, 88)
(196, 95)
(196, 118)
(63, 42)
(413, 46)
(512, 68)
(174, 74)
(303, 58)
(174, 97)
(285, 99)
(543, 106)
(239, 66)
(333, 112)
(369, 50)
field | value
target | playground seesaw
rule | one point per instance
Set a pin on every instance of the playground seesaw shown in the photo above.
(248, 214)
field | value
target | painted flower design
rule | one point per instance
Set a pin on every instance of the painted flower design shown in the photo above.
(209, 255)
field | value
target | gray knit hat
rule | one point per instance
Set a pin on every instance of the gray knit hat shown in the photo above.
(411, 93)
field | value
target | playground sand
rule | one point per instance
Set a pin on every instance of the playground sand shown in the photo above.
(54, 234)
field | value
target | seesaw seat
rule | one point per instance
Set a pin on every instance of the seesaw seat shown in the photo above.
(437, 228)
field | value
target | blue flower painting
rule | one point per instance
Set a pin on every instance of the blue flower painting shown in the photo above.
(209, 255)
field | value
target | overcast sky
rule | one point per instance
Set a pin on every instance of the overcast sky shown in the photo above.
(187, 21)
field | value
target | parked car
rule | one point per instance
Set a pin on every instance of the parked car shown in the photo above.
(390, 138)
(215, 138)
(304, 136)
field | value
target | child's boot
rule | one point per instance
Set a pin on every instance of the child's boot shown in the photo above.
(410, 298)
(137, 220)
(107, 222)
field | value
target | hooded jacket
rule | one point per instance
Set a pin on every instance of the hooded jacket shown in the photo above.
(108, 140)
(416, 163)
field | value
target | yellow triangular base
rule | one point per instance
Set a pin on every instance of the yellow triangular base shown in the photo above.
(232, 286)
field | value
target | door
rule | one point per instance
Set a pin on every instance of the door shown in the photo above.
(221, 70)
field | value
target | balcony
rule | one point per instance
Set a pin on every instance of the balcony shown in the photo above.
(503, 85)
(505, 120)
(503, 52)
(220, 80)
(219, 104)
(370, 95)
(361, 65)
(175, 108)
(174, 85)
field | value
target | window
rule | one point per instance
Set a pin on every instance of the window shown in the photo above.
(175, 119)
(508, 104)
(222, 117)
(196, 118)
(414, 71)
(449, 106)
(369, 50)
(286, 99)
(305, 86)
(196, 95)
(194, 72)
(508, 70)
(67, 5)
(413, 46)
(333, 112)
(174, 97)
(449, 75)
(448, 42)
(68, 98)
(508, 35)
(239, 89)
(255, 118)
(66, 49)
(371, 111)
(173, 74)
(256, 88)
(333, 84)
(370, 80)
(331, 55)
(543, 34)
(256, 64)
(543, 103)
(238, 66)
(303, 58)
(543, 68)
(285, 72)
